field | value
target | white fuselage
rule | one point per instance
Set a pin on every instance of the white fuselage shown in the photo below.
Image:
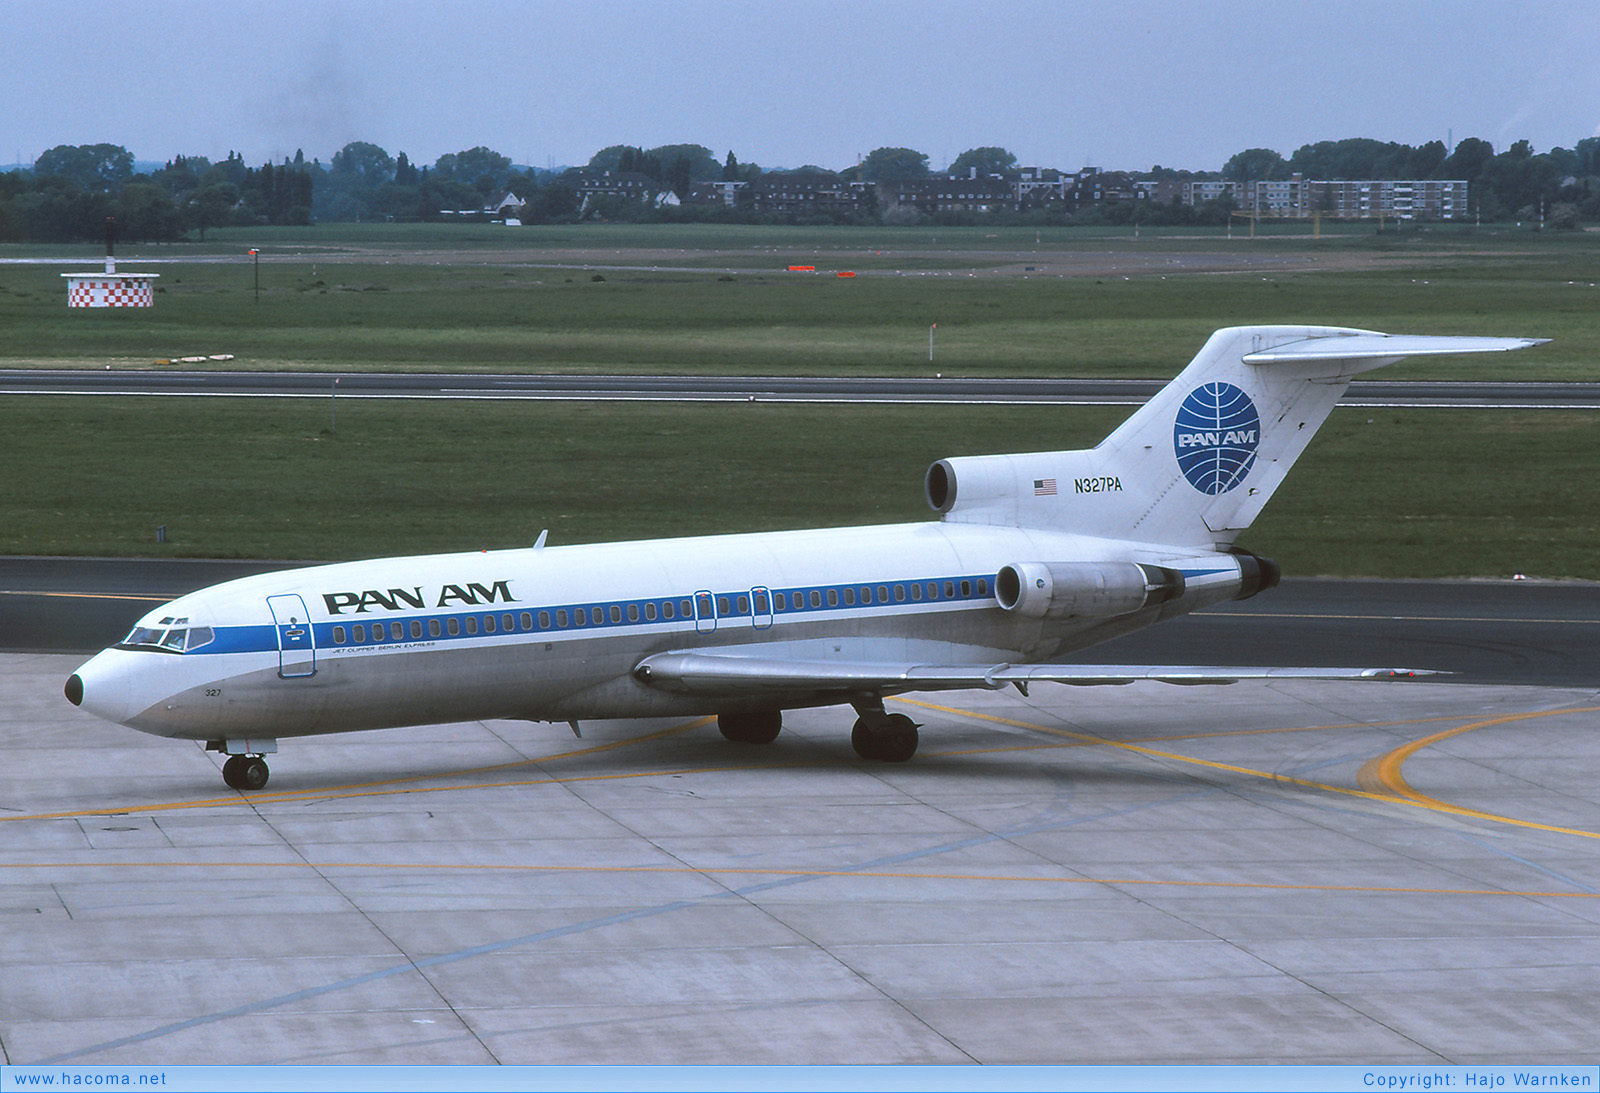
(556, 633)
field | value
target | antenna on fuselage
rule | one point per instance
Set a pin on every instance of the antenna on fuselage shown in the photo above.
(539, 543)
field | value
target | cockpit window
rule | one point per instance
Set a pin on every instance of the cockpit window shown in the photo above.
(171, 636)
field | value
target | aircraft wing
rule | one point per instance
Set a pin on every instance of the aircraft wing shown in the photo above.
(725, 674)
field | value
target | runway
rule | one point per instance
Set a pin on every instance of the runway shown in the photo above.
(928, 390)
(1285, 872)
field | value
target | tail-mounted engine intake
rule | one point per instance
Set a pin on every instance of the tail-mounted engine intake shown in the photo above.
(1060, 590)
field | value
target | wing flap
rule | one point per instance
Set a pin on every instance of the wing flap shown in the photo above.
(716, 674)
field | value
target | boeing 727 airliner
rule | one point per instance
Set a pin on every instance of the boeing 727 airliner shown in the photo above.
(1033, 557)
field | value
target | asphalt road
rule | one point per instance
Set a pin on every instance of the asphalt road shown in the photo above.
(1502, 632)
(1571, 396)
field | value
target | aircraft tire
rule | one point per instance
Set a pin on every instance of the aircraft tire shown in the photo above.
(889, 737)
(253, 772)
(896, 738)
(231, 772)
(761, 727)
(863, 739)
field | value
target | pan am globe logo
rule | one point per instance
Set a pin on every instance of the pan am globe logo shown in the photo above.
(1215, 437)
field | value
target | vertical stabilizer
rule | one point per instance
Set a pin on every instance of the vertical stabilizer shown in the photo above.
(1195, 464)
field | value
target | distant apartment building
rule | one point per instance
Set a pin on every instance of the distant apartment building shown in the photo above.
(592, 185)
(946, 195)
(1198, 193)
(1401, 199)
(805, 195)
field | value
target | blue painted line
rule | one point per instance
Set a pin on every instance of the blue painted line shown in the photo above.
(1535, 866)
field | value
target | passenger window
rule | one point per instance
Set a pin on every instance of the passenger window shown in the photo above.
(667, 610)
(616, 613)
(798, 599)
(983, 586)
(527, 620)
(338, 635)
(396, 631)
(916, 592)
(744, 605)
(508, 624)
(434, 629)
(650, 611)
(360, 631)
(633, 612)
(816, 598)
(561, 618)
(544, 620)
(722, 606)
(883, 593)
(833, 597)
(594, 615)
(453, 626)
(949, 590)
(966, 589)
(580, 617)
(686, 608)
(849, 597)
(488, 624)
(416, 628)
(900, 593)
(472, 624)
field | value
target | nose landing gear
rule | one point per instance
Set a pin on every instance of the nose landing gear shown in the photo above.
(245, 772)
(245, 768)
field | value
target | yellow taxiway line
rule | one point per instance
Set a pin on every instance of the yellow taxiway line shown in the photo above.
(1383, 771)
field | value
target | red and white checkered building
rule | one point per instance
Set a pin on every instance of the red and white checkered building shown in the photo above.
(110, 289)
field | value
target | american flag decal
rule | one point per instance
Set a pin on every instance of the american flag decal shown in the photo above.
(1044, 487)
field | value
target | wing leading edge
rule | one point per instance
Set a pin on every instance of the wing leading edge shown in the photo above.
(725, 675)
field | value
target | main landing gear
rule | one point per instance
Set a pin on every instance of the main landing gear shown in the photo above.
(761, 727)
(891, 737)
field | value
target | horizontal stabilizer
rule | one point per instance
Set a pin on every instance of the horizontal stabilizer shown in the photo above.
(711, 673)
(1383, 347)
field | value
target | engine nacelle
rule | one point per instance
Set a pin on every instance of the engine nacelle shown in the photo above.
(1256, 574)
(1062, 590)
(983, 479)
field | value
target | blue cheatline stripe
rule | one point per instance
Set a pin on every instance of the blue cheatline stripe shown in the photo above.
(614, 614)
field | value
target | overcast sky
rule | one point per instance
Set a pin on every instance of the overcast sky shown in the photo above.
(1122, 85)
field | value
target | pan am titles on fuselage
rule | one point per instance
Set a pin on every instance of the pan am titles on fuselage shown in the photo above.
(1034, 556)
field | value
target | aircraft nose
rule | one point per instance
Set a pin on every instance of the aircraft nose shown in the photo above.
(104, 686)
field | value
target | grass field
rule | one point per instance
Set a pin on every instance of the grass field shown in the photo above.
(421, 297)
(1424, 493)
(1415, 493)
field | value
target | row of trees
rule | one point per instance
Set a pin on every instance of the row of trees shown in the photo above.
(71, 189)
